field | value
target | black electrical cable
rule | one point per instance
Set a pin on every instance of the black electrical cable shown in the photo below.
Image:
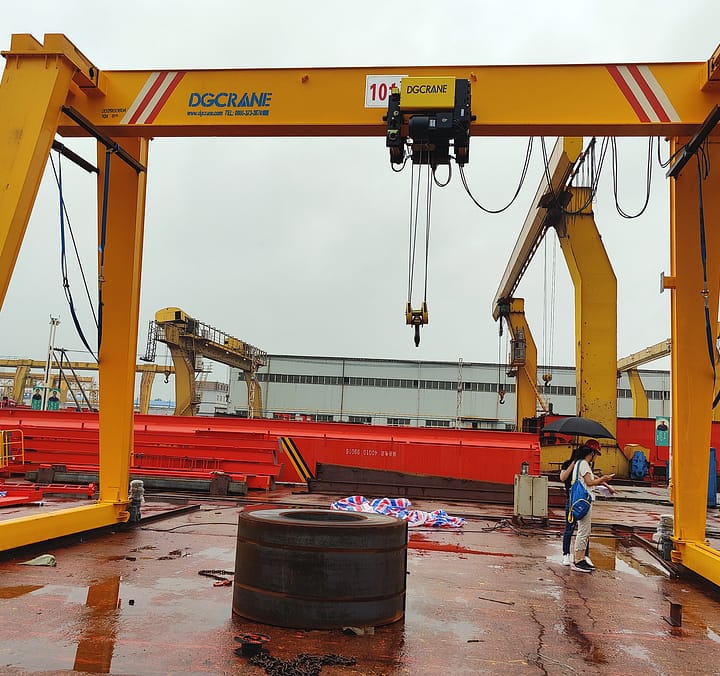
(66, 216)
(63, 260)
(103, 235)
(546, 169)
(402, 166)
(669, 159)
(595, 171)
(648, 179)
(438, 183)
(528, 154)
(703, 167)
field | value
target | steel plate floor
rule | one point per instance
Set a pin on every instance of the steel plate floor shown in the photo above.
(491, 597)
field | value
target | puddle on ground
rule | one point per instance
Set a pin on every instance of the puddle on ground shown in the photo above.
(613, 553)
(96, 641)
(18, 590)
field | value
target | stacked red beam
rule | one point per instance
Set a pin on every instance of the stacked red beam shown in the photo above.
(238, 445)
(71, 440)
(21, 494)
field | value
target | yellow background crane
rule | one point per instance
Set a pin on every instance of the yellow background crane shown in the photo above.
(22, 376)
(568, 209)
(630, 365)
(189, 341)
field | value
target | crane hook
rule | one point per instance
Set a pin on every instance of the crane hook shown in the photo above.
(416, 318)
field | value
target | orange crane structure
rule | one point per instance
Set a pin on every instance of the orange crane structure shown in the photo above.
(51, 87)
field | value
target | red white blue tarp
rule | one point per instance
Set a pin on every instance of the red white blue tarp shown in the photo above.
(400, 508)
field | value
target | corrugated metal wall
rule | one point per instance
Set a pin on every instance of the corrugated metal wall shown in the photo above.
(386, 391)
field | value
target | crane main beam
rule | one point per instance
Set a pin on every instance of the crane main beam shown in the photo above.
(651, 353)
(660, 99)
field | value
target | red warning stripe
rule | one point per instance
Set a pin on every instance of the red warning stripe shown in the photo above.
(649, 93)
(166, 95)
(644, 93)
(625, 89)
(152, 97)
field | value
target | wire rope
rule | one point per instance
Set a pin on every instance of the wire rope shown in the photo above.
(415, 193)
(414, 221)
(428, 210)
(500, 386)
(549, 279)
(553, 278)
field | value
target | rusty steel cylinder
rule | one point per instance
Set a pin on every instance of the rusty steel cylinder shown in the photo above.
(320, 569)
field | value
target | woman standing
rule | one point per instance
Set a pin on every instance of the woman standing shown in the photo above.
(566, 471)
(582, 471)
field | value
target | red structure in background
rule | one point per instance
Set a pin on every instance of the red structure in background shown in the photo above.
(234, 444)
(642, 431)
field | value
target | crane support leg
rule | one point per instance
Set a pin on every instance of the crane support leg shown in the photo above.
(254, 396)
(120, 283)
(146, 383)
(185, 390)
(35, 84)
(595, 319)
(21, 375)
(32, 92)
(526, 393)
(641, 407)
(693, 377)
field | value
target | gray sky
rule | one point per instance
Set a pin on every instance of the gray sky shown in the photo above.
(300, 246)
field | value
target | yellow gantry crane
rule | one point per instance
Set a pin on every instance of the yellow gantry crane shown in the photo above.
(523, 361)
(511, 309)
(630, 365)
(568, 209)
(51, 87)
(22, 376)
(189, 341)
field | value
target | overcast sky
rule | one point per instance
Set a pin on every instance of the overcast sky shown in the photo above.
(300, 246)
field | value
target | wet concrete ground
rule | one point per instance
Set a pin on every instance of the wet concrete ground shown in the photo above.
(491, 598)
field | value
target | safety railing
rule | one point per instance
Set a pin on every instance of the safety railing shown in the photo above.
(12, 448)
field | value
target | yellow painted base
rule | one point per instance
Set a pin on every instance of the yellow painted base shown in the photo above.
(551, 457)
(29, 530)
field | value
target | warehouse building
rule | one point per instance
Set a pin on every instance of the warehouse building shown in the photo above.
(416, 393)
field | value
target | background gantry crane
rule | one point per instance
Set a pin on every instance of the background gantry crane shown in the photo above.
(189, 341)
